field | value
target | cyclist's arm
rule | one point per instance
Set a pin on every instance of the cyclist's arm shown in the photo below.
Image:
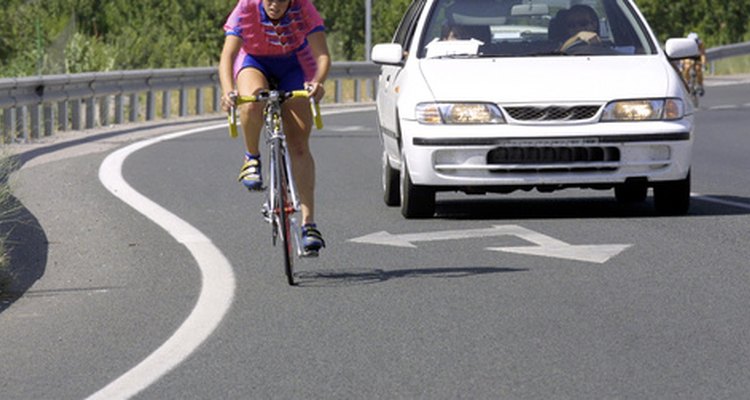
(319, 47)
(232, 45)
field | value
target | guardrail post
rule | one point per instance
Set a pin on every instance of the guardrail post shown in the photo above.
(134, 107)
(62, 115)
(217, 98)
(34, 114)
(357, 90)
(150, 105)
(106, 102)
(119, 109)
(337, 90)
(90, 112)
(166, 104)
(199, 107)
(76, 114)
(9, 117)
(22, 115)
(49, 120)
(183, 102)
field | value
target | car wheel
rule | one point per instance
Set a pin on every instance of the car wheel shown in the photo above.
(630, 193)
(390, 177)
(416, 201)
(672, 198)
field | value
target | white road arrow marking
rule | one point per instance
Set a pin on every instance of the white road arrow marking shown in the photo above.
(546, 246)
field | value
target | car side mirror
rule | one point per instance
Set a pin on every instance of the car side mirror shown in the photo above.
(387, 53)
(678, 48)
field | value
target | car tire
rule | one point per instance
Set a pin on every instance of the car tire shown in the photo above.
(416, 201)
(391, 181)
(673, 197)
(631, 193)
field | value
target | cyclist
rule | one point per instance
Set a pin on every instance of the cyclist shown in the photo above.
(280, 43)
(696, 65)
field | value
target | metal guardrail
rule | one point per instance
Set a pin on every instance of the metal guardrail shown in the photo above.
(732, 50)
(33, 107)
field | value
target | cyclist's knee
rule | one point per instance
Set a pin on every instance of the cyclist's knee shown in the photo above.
(251, 110)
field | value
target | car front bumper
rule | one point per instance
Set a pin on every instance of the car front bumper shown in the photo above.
(562, 155)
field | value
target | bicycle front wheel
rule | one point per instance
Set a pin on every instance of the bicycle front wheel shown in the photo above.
(285, 209)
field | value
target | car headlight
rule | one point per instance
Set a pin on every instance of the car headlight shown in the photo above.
(644, 110)
(459, 113)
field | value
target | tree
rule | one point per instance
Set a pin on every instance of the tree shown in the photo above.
(717, 22)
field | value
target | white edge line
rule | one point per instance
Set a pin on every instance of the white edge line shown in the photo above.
(217, 278)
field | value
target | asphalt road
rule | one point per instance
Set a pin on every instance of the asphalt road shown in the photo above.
(104, 287)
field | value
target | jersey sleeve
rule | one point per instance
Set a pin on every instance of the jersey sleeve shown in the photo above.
(232, 25)
(314, 20)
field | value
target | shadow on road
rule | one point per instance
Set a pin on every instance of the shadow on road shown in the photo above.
(27, 248)
(370, 276)
(583, 207)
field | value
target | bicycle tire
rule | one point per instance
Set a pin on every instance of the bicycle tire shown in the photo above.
(285, 225)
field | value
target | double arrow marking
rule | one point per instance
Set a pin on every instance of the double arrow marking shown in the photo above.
(545, 246)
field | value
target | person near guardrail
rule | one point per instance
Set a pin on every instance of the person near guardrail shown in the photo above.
(689, 65)
(280, 43)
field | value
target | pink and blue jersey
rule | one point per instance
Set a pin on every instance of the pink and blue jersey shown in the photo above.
(276, 48)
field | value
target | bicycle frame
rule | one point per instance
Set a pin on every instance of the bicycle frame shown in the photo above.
(280, 169)
(282, 200)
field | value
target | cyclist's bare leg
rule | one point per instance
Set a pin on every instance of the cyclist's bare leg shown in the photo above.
(699, 76)
(249, 82)
(297, 124)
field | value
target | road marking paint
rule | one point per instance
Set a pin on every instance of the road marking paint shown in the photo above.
(545, 246)
(217, 278)
(724, 107)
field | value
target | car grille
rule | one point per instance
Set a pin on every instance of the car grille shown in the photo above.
(554, 159)
(552, 113)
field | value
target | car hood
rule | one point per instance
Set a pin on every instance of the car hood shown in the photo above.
(546, 79)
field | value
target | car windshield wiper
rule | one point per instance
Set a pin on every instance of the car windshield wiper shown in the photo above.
(537, 54)
(547, 53)
(462, 55)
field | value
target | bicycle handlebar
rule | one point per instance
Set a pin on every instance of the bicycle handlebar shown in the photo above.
(273, 95)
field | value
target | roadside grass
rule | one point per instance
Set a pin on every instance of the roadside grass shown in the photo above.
(8, 207)
(732, 66)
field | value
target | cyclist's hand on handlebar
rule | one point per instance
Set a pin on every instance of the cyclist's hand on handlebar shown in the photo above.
(229, 100)
(316, 89)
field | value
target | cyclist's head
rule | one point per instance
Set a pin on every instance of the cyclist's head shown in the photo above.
(276, 8)
(693, 35)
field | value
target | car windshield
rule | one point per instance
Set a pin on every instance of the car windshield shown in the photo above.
(524, 28)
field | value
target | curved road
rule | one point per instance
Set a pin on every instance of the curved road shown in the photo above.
(565, 295)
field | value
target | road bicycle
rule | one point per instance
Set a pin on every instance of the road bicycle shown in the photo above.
(281, 198)
(694, 89)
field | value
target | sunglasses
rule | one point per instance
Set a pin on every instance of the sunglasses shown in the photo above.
(582, 23)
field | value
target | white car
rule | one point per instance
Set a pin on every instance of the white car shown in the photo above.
(494, 96)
